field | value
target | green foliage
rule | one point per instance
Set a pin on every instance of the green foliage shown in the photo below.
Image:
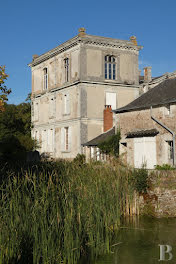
(3, 89)
(15, 131)
(164, 167)
(56, 212)
(139, 180)
(111, 145)
(80, 159)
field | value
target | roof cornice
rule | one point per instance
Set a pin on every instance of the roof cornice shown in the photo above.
(88, 40)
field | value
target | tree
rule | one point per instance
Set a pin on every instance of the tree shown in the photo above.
(3, 89)
(15, 131)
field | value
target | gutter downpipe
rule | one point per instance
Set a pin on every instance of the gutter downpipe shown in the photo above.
(168, 129)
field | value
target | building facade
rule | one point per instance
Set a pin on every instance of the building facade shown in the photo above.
(72, 83)
(148, 127)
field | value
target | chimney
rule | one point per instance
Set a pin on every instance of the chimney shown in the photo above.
(82, 32)
(147, 74)
(35, 56)
(133, 40)
(108, 118)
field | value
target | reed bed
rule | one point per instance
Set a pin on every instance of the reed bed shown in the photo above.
(58, 212)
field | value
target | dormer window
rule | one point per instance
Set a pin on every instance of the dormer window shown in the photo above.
(66, 65)
(45, 79)
(110, 67)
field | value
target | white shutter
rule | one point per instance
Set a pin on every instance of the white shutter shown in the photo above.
(62, 139)
(68, 103)
(92, 152)
(50, 140)
(44, 140)
(111, 100)
(52, 107)
(36, 112)
(69, 138)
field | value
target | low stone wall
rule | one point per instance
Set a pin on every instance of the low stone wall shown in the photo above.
(160, 200)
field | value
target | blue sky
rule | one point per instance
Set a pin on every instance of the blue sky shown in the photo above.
(34, 27)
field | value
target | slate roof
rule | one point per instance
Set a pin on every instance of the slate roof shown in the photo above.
(143, 133)
(162, 94)
(102, 137)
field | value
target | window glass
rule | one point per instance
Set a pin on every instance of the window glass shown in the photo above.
(110, 67)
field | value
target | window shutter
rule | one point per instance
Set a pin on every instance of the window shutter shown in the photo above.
(62, 139)
(51, 107)
(68, 104)
(111, 100)
(69, 138)
(36, 112)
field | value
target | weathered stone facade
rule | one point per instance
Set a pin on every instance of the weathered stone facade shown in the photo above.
(141, 121)
(69, 90)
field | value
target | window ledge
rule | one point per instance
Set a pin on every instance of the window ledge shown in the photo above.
(66, 151)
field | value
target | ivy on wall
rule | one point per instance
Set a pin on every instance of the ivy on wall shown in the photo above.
(111, 145)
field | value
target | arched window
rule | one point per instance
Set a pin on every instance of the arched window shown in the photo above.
(45, 78)
(110, 67)
(66, 65)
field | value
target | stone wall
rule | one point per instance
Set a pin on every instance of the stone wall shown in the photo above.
(160, 199)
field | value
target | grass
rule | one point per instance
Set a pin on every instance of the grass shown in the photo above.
(58, 212)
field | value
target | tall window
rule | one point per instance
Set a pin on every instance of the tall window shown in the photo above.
(36, 111)
(45, 78)
(66, 100)
(66, 64)
(66, 138)
(170, 149)
(110, 67)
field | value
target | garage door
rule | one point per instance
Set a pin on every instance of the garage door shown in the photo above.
(145, 152)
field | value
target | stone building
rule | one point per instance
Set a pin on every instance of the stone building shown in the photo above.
(148, 127)
(71, 84)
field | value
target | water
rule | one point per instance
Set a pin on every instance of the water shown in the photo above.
(138, 243)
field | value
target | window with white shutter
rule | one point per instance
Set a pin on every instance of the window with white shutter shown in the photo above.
(50, 140)
(52, 107)
(36, 111)
(66, 101)
(111, 100)
(66, 139)
(44, 141)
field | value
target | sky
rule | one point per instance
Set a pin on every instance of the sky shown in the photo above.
(36, 26)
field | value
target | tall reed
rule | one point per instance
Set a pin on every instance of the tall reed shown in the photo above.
(57, 212)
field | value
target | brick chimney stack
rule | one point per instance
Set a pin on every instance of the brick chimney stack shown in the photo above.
(147, 74)
(108, 117)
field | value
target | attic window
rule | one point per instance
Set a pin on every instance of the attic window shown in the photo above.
(110, 67)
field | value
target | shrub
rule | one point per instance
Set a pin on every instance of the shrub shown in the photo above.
(111, 145)
(164, 167)
(139, 180)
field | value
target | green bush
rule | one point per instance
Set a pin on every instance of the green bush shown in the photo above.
(139, 180)
(164, 167)
(111, 145)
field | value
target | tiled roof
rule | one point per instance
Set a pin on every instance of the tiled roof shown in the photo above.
(162, 94)
(95, 141)
(143, 133)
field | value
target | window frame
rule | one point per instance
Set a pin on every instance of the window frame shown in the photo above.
(110, 67)
(45, 79)
(67, 69)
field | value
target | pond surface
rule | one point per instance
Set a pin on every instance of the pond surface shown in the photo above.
(138, 242)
